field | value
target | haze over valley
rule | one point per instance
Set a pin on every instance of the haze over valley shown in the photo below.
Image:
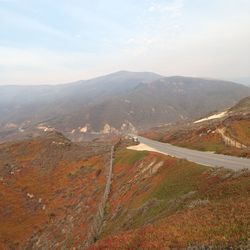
(120, 102)
(124, 124)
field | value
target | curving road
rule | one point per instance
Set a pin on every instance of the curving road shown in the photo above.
(203, 158)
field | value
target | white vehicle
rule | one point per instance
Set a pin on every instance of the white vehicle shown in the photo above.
(135, 139)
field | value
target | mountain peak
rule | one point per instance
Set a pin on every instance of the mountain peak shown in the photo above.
(134, 74)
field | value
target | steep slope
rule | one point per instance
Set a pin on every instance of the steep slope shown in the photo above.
(50, 189)
(242, 106)
(227, 134)
(159, 202)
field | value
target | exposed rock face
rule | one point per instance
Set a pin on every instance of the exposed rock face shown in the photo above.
(84, 129)
(128, 127)
(106, 129)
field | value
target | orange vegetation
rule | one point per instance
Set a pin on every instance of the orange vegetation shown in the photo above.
(49, 190)
(181, 204)
(240, 129)
(204, 136)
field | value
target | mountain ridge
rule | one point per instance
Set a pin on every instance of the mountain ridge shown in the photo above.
(122, 99)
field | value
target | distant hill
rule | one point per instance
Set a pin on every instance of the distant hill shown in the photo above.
(167, 100)
(18, 103)
(119, 101)
(242, 80)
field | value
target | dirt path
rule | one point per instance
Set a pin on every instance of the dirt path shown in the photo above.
(228, 140)
(99, 217)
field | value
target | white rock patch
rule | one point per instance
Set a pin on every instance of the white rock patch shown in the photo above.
(216, 116)
(45, 129)
(84, 129)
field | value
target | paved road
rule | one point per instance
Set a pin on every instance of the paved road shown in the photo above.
(204, 158)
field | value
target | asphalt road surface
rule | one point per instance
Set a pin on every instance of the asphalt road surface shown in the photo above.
(203, 158)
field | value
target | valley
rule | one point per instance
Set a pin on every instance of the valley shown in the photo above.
(124, 125)
(121, 102)
(79, 176)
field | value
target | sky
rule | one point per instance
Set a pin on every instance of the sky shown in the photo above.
(49, 42)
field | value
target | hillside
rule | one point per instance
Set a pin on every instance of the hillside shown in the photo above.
(50, 189)
(167, 100)
(227, 134)
(242, 106)
(123, 101)
(159, 202)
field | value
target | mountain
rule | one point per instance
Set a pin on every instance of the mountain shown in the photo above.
(18, 103)
(167, 100)
(120, 101)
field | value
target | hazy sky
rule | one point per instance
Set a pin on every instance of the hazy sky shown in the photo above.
(50, 41)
